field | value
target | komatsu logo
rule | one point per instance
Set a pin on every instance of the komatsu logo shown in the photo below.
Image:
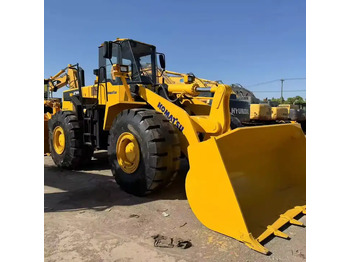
(170, 117)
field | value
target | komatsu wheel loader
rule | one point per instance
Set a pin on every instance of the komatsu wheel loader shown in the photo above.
(240, 182)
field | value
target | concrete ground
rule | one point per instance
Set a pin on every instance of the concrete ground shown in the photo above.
(89, 218)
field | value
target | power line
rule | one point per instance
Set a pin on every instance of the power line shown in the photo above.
(263, 83)
(276, 80)
(271, 91)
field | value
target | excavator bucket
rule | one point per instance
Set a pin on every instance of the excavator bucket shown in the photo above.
(249, 182)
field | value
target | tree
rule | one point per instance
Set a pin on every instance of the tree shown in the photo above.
(295, 100)
(277, 100)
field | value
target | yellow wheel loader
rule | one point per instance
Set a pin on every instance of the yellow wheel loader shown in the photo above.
(51, 106)
(240, 182)
(65, 77)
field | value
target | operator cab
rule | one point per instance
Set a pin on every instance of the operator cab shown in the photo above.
(139, 57)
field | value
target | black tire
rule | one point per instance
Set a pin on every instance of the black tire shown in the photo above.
(235, 122)
(159, 150)
(75, 154)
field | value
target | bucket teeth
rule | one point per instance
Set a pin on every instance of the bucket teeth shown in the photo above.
(281, 221)
(278, 233)
(302, 209)
(292, 220)
(296, 222)
(253, 243)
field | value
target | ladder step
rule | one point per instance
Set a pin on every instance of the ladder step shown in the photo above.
(88, 134)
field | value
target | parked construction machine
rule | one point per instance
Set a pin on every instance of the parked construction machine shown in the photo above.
(295, 113)
(67, 77)
(51, 106)
(239, 109)
(243, 113)
(240, 182)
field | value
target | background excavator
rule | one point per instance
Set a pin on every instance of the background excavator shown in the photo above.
(239, 182)
(239, 110)
(243, 113)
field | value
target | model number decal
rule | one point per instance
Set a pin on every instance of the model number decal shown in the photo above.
(170, 117)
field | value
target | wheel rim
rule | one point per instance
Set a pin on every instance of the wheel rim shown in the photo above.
(59, 141)
(128, 152)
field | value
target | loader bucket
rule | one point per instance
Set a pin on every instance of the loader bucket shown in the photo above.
(249, 182)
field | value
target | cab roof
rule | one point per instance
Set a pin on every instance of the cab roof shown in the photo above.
(128, 39)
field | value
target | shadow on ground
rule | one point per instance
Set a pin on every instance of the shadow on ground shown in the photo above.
(95, 188)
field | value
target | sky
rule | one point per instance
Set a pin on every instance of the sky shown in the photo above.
(242, 41)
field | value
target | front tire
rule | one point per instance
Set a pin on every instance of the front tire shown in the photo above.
(144, 151)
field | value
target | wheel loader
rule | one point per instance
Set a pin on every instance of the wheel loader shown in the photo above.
(51, 106)
(65, 77)
(239, 182)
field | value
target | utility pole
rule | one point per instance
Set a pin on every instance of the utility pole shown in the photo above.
(282, 80)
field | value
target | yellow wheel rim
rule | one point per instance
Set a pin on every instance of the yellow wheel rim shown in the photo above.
(59, 141)
(128, 152)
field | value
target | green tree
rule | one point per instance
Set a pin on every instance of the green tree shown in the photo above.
(277, 100)
(295, 100)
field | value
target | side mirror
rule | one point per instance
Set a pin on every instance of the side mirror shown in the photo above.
(162, 61)
(107, 49)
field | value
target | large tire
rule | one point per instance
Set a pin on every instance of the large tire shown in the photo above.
(159, 151)
(75, 154)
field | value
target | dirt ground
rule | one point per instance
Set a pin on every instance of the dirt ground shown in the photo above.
(89, 218)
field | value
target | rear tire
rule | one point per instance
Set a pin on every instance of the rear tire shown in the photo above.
(159, 151)
(75, 154)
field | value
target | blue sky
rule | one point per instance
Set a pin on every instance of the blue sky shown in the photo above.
(240, 41)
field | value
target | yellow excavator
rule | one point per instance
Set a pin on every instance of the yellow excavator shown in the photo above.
(239, 182)
(243, 113)
(239, 110)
